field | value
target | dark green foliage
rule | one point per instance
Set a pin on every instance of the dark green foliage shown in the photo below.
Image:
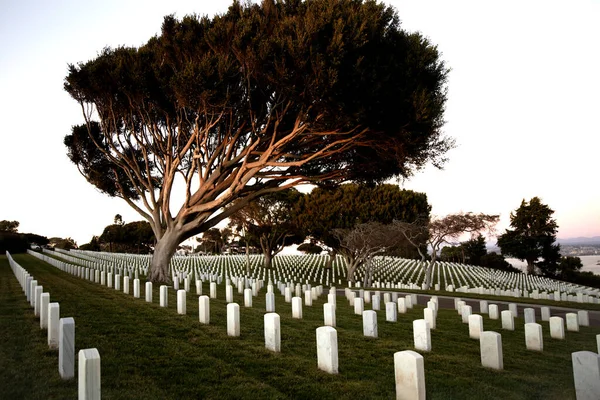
(310, 248)
(61, 243)
(13, 242)
(323, 210)
(37, 239)
(270, 222)
(93, 245)
(9, 226)
(452, 254)
(134, 237)
(474, 249)
(497, 261)
(533, 237)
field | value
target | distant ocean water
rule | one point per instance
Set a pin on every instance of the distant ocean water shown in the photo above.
(590, 263)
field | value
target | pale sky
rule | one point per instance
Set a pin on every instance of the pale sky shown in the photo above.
(523, 106)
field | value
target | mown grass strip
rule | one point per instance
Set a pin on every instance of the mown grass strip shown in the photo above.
(152, 353)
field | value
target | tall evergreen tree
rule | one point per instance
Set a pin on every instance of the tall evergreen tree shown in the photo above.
(533, 237)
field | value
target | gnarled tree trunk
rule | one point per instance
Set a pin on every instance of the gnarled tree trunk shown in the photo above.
(163, 252)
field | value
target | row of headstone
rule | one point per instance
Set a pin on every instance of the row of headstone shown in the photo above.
(61, 336)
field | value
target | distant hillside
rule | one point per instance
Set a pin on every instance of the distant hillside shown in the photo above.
(580, 241)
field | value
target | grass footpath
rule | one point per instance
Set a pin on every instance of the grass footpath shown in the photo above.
(149, 352)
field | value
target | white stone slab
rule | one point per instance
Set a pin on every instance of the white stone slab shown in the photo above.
(490, 344)
(545, 313)
(118, 282)
(533, 337)
(37, 295)
(572, 322)
(583, 318)
(529, 314)
(66, 348)
(181, 302)
(198, 287)
(204, 309)
(308, 298)
(329, 314)
(53, 325)
(586, 374)
(327, 349)
(493, 311)
(148, 292)
(370, 323)
(557, 328)
(475, 326)
(164, 296)
(44, 301)
(408, 300)
(421, 335)
(233, 319)
(466, 311)
(402, 305)
(248, 298)
(89, 374)
(269, 301)
(136, 288)
(272, 332)
(297, 307)
(483, 307)
(429, 316)
(508, 320)
(213, 290)
(409, 373)
(125, 284)
(359, 306)
(391, 312)
(514, 310)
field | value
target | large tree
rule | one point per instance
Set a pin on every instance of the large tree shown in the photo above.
(441, 230)
(270, 222)
(532, 237)
(9, 226)
(258, 99)
(324, 210)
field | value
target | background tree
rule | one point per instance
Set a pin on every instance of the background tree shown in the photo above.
(362, 243)
(452, 254)
(497, 261)
(93, 245)
(261, 98)
(533, 236)
(442, 230)
(213, 240)
(324, 210)
(474, 249)
(310, 248)
(271, 222)
(63, 243)
(118, 220)
(9, 226)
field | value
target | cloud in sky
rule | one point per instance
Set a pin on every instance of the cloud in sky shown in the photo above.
(522, 105)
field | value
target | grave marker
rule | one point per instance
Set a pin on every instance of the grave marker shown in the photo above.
(409, 374)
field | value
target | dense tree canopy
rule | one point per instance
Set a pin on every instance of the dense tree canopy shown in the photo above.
(324, 210)
(9, 226)
(258, 99)
(532, 237)
(270, 222)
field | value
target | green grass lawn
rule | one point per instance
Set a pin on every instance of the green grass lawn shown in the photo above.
(149, 352)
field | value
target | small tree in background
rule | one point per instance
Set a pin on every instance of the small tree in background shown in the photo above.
(442, 230)
(362, 243)
(270, 222)
(533, 237)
